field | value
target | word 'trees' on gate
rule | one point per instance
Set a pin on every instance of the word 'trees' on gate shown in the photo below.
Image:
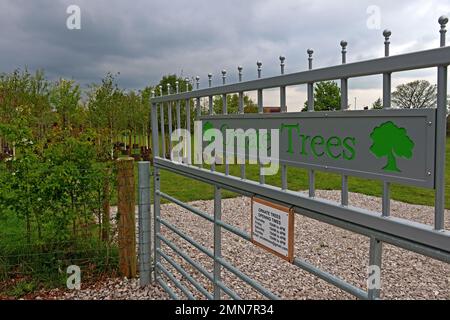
(391, 145)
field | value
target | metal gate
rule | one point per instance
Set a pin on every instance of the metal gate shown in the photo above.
(429, 240)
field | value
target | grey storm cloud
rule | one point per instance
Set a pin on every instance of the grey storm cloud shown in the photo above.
(144, 40)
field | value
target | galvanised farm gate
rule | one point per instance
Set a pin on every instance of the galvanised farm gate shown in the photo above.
(390, 145)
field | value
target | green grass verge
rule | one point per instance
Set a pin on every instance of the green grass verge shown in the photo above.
(26, 266)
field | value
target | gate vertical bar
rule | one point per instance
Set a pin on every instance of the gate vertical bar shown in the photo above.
(283, 107)
(198, 105)
(211, 112)
(177, 87)
(386, 205)
(163, 134)
(441, 124)
(260, 110)
(376, 246)
(225, 111)
(198, 108)
(144, 223)
(344, 106)
(217, 241)
(178, 111)
(241, 111)
(210, 98)
(188, 125)
(375, 254)
(311, 175)
(156, 185)
(169, 121)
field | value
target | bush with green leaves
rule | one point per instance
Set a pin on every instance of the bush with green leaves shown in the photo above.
(50, 210)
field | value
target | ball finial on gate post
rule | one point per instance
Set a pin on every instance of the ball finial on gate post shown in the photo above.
(282, 59)
(187, 83)
(310, 58)
(153, 93)
(210, 80)
(160, 90)
(259, 64)
(177, 86)
(240, 73)
(344, 51)
(197, 82)
(386, 33)
(224, 76)
(443, 20)
(168, 88)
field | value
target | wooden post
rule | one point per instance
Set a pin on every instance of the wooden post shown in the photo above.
(126, 215)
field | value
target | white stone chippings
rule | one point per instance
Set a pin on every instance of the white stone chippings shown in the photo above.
(405, 275)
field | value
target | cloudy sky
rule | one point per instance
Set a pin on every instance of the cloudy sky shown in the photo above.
(144, 40)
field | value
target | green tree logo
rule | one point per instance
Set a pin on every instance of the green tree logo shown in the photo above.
(391, 141)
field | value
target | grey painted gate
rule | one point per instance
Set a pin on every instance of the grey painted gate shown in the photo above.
(426, 130)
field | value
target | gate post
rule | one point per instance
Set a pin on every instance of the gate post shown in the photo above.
(144, 223)
(217, 240)
(127, 220)
(156, 187)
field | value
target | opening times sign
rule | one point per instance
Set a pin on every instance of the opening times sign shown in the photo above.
(273, 228)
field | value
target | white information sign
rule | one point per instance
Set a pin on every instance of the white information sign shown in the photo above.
(272, 228)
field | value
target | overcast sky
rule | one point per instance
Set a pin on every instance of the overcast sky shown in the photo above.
(144, 40)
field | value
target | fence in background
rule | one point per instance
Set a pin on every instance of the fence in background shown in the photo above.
(432, 241)
(53, 218)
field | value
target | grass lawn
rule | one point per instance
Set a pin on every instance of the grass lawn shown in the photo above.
(187, 189)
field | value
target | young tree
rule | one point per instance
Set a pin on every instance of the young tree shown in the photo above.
(327, 96)
(25, 96)
(145, 95)
(104, 110)
(172, 79)
(414, 95)
(233, 104)
(391, 141)
(64, 98)
(37, 95)
(378, 104)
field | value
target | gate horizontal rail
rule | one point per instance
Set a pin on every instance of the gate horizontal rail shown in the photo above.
(398, 227)
(256, 285)
(405, 62)
(185, 274)
(391, 239)
(298, 262)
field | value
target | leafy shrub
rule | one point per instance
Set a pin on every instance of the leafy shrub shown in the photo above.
(51, 211)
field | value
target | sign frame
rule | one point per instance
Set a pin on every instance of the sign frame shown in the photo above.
(291, 227)
(426, 117)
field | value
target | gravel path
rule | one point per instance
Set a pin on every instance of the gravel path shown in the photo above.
(405, 275)
(111, 289)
